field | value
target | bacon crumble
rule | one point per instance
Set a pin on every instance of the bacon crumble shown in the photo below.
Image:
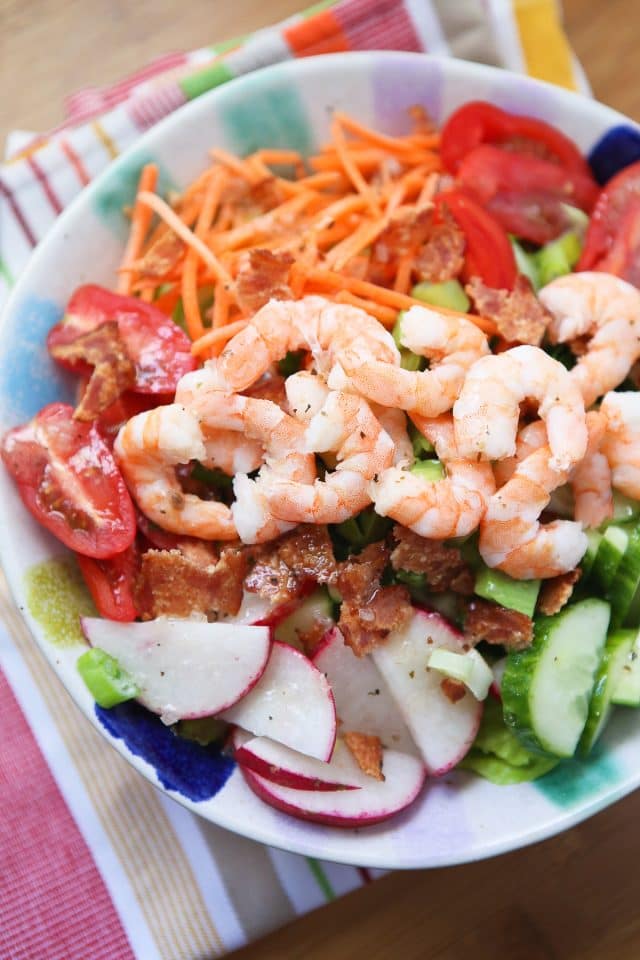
(113, 369)
(497, 625)
(366, 750)
(283, 568)
(556, 592)
(454, 690)
(181, 582)
(442, 256)
(443, 567)
(518, 314)
(263, 276)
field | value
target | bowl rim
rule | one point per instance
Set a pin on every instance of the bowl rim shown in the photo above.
(305, 845)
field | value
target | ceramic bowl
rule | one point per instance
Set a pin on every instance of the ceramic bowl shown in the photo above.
(460, 817)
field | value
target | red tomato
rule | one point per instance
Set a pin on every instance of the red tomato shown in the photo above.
(111, 583)
(68, 479)
(160, 350)
(524, 193)
(479, 122)
(488, 252)
(611, 235)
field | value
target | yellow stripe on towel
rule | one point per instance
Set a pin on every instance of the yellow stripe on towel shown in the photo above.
(545, 48)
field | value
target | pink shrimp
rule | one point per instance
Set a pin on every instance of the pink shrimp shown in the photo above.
(621, 444)
(451, 507)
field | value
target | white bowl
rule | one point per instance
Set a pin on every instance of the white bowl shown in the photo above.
(460, 817)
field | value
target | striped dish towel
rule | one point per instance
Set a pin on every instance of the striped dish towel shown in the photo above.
(94, 862)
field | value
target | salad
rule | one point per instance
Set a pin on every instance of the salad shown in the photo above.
(353, 472)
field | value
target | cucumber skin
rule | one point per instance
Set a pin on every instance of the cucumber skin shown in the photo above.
(516, 682)
(616, 651)
(626, 581)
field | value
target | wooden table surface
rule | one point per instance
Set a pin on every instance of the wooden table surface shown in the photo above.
(574, 896)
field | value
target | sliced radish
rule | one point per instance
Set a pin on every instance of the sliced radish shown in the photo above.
(443, 730)
(498, 669)
(184, 668)
(258, 611)
(376, 800)
(287, 767)
(363, 701)
(292, 704)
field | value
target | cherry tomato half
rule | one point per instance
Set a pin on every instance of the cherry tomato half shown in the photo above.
(111, 583)
(67, 477)
(524, 193)
(488, 252)
(612, 242)
(160, 350)
(479, 122)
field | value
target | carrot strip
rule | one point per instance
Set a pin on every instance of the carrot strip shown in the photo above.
(282, 157)
(235, 164)
(217, 337)
(147, 295)
(337, 281)
(220, 307)
(188, 287)
(173, 220)
(428, 191)
(391, 144)
(366, 233)
(386, 315)
(261, 225)
(351, 169)
(140, 222)
(402, 282)
(168, 301)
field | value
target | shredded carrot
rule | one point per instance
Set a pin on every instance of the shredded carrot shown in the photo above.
(242, 167)
(366, 233)
(190, 303)
(402, 283)
(173, 220)
(351, 169)
(217, 337)
(385, 315)
(140, 222)
(390, 144)
(279, 157)
(220, 307)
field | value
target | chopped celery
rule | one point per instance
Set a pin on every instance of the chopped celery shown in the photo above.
(365, 528)
(469, 668)
(204, 730)
(558, 257)
(449, 294)
(624, 508)
(411, 361)
(429, 470)
(497, 754)
(396, 333)
(526, 263)
(518, 595)
(421, 446)
(578, 219)
(106, 681)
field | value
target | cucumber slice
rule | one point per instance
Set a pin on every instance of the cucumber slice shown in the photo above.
(408, 360)
(449, 294)
(611, 550)
(316, 610)
(614, 657)
(518, 595)
(626, 692)
(558, 258)
(626, 581)
(421, 446)
(526, 263)
(546, 688)
(470, 668)
(587, 561)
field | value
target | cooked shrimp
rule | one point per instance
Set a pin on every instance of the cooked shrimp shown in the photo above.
(148, 448)
(231, 453)
(452, 345)
(306, 393)
(590, 479)
(347, 427)
(395, 423)
(324, 328)
(511, 535)
(487, 411)
(621, 444)
(605, 308)
(451, 507)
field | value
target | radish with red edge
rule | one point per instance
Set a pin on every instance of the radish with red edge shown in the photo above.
(375, 801)
(259, 611)
(443, 727)
(184, 669)
(292, 704)
(363, 700)
(289, 768)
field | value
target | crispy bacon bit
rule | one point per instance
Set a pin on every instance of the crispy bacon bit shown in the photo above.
(442, 257)
(369, 612)
(113, 370)
(442, 566)
(518, 314)
(173, 583)
(405, 232)
(367, 752)
(497, 625)
(453, 690)
(161, 257)
(263, 276)
(556, 592)
(284, 567)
